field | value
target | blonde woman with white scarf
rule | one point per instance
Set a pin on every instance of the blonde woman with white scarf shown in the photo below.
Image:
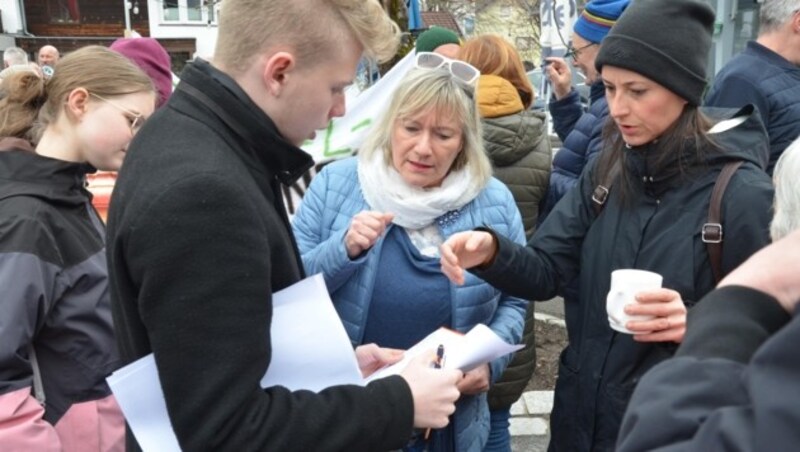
(372, 224)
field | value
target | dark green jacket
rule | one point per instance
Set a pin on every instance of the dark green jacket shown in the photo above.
(517, 144)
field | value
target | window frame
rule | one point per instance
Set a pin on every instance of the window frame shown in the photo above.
(184, 10)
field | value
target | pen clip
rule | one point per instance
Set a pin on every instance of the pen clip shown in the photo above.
(439, 357)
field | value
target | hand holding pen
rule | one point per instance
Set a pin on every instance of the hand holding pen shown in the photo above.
(436, 365)
(434, 390)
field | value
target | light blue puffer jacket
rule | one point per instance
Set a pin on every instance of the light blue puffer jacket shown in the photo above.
(320, 225)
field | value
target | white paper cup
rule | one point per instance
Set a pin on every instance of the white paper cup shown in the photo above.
(625, 284)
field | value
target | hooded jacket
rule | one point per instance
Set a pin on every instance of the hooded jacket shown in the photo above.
(658, 229)
(54, 309)
(517, 144)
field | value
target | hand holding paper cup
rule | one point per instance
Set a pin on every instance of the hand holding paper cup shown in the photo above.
(625, 284)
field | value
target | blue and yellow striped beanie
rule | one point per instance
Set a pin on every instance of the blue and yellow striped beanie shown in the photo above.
(598, 17)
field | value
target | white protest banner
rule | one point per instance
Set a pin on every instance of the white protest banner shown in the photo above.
(344, 135)
(558, 17)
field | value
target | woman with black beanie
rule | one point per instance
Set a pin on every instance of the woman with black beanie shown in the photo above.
(643, 204)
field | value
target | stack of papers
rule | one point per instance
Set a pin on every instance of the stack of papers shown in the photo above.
(461, 351)
(310, 350)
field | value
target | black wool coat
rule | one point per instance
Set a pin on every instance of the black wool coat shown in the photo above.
(198, 240)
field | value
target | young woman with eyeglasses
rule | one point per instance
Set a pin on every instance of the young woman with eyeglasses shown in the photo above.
(56, 338)
(372, 224)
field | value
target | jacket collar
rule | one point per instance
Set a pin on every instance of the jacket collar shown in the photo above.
(25, 173)
(596, 91)
(641, 164)
(754, 48)
(746, 141)
(262, 143)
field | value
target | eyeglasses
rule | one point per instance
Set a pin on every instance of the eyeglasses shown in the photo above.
(136, 120)
(462, 71)
(574, 53)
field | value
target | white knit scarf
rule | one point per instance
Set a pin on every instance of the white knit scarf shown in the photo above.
(413, 207)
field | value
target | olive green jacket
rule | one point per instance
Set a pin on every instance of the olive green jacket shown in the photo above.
(517, 144)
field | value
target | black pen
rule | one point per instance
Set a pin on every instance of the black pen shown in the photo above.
(439, 356)
(436, 365)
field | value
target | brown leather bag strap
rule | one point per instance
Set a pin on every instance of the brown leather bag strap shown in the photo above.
(602, 190)
(712, 231)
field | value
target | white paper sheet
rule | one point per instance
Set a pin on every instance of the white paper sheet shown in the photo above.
(310, 350)
(138, 392)
(461, 351)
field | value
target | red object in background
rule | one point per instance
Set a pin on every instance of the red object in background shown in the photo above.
(74, 10)
(101, 184)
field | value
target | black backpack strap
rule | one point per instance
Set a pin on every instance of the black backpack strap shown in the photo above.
(712, 233)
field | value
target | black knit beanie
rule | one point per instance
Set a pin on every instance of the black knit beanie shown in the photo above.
(666, 41)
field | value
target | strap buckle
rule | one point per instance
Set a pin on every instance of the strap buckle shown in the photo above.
(600, 195)
(712, 233)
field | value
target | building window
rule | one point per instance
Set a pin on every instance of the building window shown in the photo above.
(190, 11)
(194, 10)
(171, 10)
(63, 11)
(213, 10)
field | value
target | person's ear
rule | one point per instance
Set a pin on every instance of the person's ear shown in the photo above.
(796, 22)
(277, 71)
(77, 102)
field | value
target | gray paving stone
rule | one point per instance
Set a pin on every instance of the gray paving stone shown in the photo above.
(518, 408)
(528, 426)
(538, 402)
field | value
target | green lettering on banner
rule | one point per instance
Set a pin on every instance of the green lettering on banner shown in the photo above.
(326, 149)
(361, 125)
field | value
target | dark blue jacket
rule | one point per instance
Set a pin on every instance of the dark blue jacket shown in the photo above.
(581, 134)
(657, 229)
(765, 79)
(732, 384)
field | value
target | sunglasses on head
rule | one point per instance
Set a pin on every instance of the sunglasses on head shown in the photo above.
(462, 71)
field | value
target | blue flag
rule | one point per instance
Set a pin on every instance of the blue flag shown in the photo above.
(414, 15)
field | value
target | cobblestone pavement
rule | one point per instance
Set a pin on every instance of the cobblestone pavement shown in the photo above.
(530, 422)
(530, 415)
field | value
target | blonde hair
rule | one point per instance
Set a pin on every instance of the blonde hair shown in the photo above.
(494, 55)
(787, 193)
(311, 28)
(436, 90)
(31, 103)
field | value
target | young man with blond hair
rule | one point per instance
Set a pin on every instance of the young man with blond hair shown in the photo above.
(198, 237)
